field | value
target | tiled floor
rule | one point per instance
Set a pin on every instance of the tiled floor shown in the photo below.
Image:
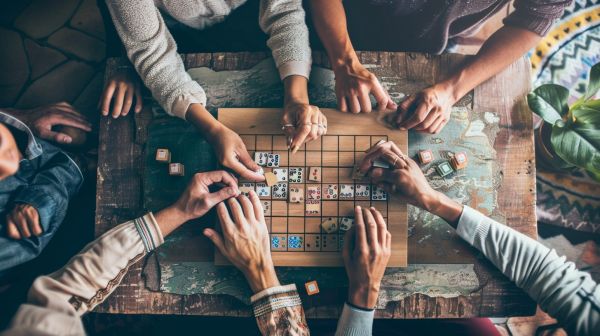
(51, 51)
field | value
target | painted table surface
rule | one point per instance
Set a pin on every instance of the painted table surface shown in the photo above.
(445, 278)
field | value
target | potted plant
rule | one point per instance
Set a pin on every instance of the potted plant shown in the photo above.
(570, 135)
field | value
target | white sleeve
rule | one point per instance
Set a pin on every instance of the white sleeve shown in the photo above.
(283, 21)
(567, 294)
(355, 322)
(153, 52)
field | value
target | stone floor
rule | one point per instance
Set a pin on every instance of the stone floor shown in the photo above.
(54, 51)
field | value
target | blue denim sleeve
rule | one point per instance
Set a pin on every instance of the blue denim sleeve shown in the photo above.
(56, 182)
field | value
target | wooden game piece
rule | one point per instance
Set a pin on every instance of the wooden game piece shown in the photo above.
(245, 188)
(314, 174)
(331, 191)
(425, 156)
(459, 161)
(295, 242)
(362, 191)
(296, 175)
(280, 191)
(263, 190)
(330, 225)
(296, 195)
(346, 223)
(312, 207)
(444, 169)
(266, 205)
(273, 160)
(176, 169)
(163, 155)
(281, 174)
(312, 242)
(329, 242)
(381, 164)
(311, 287)
(278, 242)
(261, 158)
(378, 194)
(270, 178)
(313, 192)
(347, 191)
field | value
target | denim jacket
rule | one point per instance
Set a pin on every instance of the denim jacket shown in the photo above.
(46, 179)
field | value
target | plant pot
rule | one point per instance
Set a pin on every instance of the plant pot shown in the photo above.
(544, 153)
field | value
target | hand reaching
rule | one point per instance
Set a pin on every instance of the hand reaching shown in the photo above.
(121, 89)
(232, 153)
(23, 222)
(427, 111)
(303, 123)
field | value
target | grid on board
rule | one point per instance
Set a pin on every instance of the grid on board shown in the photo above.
(289, 226)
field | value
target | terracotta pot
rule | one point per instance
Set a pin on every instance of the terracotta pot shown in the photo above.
(544, 153)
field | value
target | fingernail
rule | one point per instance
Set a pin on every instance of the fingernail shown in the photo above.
(67, 139)
(207, 233)
(358, 207)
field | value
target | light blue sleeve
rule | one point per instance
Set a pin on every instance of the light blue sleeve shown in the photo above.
(355, 322)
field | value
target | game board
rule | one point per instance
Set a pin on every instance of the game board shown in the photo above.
(297, 236)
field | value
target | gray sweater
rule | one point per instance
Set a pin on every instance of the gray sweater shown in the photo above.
(567, 294)
(153, 51)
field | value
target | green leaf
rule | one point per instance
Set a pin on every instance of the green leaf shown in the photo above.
(575, 149)
(594, 83)
(587, 116)
(549, 101)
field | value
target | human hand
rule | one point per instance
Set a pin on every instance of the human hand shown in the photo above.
(245, 240)
(232, 153)
(366, 252)
(303, 123)
(427, 111)
(121, 89)
(404, 179)
(46, 123)
(23, 222)
(196, 200)
(354, 84)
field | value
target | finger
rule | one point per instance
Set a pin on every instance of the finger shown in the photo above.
(314, 128)
(127, 102)
(107, 96)
(383, 154)
(379, 175)
(33, 221)
(21, 222)
(325, 123)
(405, 106)
(382, 98)
(227, 225)
(371, 227)
(320, 129)
(118, 101)
(429, 120)
(237, 214)
(258, 209)
(365, 102)
(342, 103)
(381, 226)
(215, 238)
(11, 230)
(347, 248)
(437, 129)
(139, 102)
(55, 136)
(360, 238)
(247, 207)
(421, 112)
(244, 172)
(220, 196)
(219, 176)
(388, 240)
(69, 120)
(304, 129)
(354, 104)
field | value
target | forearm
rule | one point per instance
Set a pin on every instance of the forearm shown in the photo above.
(329, 19)
(296, 90)
(278, 311)
(205, 122)
(499, 51)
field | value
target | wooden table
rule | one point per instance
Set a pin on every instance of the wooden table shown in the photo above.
(120, 180)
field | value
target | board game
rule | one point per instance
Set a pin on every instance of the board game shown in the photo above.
(310, 207)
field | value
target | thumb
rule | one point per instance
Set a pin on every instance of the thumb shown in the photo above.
(221, 195)
(215, 238)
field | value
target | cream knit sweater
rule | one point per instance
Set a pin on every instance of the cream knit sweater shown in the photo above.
(153, 51)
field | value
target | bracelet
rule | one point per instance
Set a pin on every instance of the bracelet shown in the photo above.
(272, 304)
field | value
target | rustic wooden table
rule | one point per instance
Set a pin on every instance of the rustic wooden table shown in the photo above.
(119, 196)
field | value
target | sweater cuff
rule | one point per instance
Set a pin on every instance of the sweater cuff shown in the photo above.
(182, 103)
(472, 223)
(538, 25)
(355, 322)
(291, 68)
(149, 232)
(272, 291)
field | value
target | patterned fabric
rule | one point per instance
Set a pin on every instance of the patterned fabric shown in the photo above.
(279, 311)
(564, 57)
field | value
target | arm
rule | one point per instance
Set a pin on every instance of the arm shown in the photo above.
(55, 302)
(245, 243)
(353, 83)
(569, 295)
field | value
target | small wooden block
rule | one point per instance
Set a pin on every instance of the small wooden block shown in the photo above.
(273, 160)
(346, 191)
(330, 225)
(245, 188)
(313, 192)
(378, 194)
(329, 242)
(295, 242)
(266, 205)
(296, 175)
(346, 223)
(312, 207)
(425, 156)
(176, 169)
(278, 242)
(362, 191)
(281, 174)
(163, 155)
(311, 287)
(444, 169)
(270, 178)
(381, 164)
(280, 191)
(314, 174)
(296, 195)
(312, 242)
(263, 190)
(261, 158)
(331, 191)
(459, 161)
